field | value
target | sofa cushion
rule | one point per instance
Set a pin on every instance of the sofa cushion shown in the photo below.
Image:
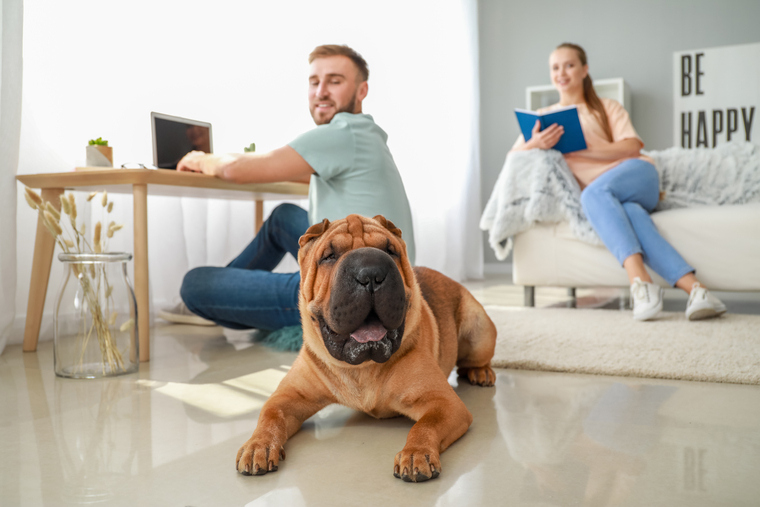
(721, 242)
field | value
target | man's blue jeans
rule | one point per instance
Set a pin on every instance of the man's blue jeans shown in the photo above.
(246, 294)
(618, 204)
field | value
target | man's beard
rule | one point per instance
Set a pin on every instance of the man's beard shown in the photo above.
(348, 109)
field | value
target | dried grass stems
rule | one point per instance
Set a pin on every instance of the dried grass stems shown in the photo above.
(98, 292)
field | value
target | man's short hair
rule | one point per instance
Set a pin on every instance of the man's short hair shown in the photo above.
(341, 50)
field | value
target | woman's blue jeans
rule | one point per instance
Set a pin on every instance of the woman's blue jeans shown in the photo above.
(246, 294)
(618, 204)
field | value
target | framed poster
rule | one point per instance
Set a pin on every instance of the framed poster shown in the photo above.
(716, 96)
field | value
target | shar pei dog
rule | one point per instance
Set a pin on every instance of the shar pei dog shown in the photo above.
(378, 336)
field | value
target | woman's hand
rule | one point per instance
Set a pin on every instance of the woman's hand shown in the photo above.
(545, 139)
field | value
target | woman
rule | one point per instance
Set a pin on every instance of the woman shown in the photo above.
(620, 187)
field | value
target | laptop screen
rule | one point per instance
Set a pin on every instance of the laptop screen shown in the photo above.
(174, 137)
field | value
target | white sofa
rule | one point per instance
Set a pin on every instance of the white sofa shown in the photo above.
(721, 242)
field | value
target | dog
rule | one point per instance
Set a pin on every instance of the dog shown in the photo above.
(378, 336)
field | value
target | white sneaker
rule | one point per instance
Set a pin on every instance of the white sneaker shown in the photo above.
(646, 298)
(180, 314)
(703, 304)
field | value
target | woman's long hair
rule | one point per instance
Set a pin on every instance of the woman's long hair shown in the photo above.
(589, 94)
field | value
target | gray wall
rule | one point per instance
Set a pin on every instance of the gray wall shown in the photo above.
(634, 40)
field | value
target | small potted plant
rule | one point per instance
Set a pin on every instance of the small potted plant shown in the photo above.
(99, 154)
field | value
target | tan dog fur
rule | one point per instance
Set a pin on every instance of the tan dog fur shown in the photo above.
(445, 327)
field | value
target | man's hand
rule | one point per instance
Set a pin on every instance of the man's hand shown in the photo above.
(282, 164)
(206, 163)
(545, 139)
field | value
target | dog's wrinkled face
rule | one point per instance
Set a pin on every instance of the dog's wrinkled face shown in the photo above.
(356, 285)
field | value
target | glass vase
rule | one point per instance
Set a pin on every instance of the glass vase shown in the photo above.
(95, 317)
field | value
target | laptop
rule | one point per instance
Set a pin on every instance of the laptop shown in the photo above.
(174, 137)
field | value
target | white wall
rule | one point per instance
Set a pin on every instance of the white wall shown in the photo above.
(632, 39)
(94, 68)
(11, 14)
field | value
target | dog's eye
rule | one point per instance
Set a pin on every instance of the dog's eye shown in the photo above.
(328, 256)
(391, 250)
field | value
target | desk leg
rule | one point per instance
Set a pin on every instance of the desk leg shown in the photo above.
(142, 287)
(44, 247)
(259, 219)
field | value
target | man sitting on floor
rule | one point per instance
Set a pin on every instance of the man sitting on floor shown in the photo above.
(350, 170)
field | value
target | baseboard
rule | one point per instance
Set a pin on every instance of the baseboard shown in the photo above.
(47, 328)
(497, 268)
(16, 330)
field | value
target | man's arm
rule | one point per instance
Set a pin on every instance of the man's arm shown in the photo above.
(282, 164)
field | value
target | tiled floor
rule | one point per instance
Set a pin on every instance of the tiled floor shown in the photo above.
(168, 435)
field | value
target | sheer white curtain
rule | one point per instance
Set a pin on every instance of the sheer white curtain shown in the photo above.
(97, 69)
(11, 16)
(432, 115)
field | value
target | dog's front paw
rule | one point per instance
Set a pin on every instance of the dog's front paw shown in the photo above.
(483, 376)
(258, 457)
(417, 465)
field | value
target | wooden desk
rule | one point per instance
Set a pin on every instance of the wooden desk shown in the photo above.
(140, 183)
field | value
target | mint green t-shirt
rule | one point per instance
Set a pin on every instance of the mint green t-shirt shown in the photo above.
(355, 173)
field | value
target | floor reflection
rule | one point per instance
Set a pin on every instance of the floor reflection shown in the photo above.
(87, 440)
(169, 435)
(586, 442)
(97, 441)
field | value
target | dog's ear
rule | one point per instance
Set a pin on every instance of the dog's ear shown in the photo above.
(313, 232)
(387, 224)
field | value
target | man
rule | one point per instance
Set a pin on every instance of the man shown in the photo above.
(350, 170)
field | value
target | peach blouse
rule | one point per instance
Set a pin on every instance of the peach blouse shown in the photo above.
(587, 169)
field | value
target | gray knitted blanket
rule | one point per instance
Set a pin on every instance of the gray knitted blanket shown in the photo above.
(537, 186)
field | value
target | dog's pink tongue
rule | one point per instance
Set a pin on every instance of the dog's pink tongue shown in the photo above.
(370, 332)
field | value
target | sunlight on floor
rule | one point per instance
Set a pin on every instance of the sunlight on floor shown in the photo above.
(229, 399)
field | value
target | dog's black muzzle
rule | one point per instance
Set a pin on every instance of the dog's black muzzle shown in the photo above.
(367, 308)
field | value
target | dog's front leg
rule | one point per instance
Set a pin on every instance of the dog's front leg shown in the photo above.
(441, 419)
(281, 417)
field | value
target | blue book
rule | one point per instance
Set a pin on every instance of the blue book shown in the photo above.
(571, 140)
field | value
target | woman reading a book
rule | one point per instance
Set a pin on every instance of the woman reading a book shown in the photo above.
(620, 187)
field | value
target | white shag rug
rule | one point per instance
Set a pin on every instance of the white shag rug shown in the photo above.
(610, 342)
